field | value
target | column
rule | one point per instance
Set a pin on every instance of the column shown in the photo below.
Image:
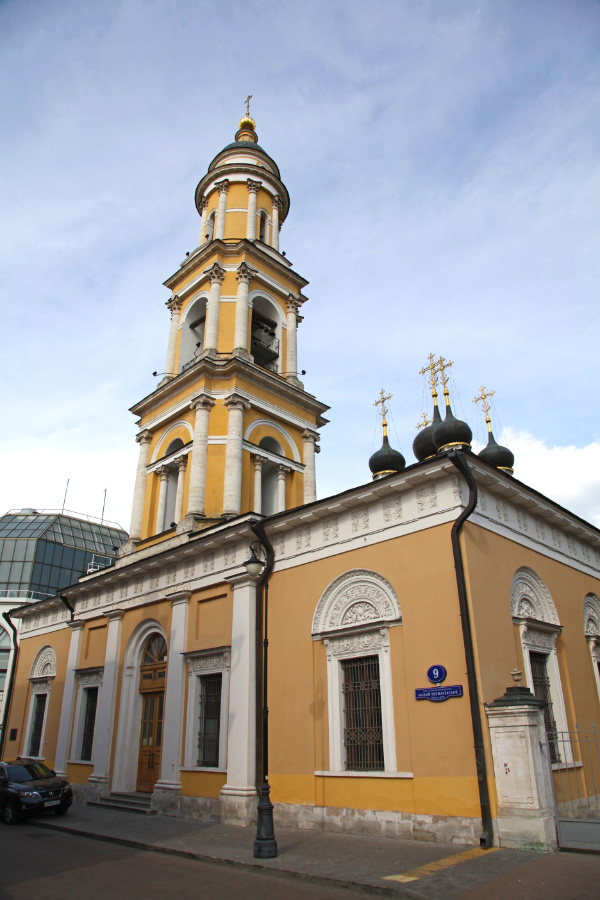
(309, 439)
(257, 500)
(211, 333)
(204, 214)
(181, 467)
(281, 473)
(68, 705)
(253, 188)
(173, 719)
(197, 486)
(144, 439)
(232, 493)
(244, 273)
(175, 307)
(163, 473)
(275, 223)
(222, 187)
(238, 795)
(291, 363)
(103, 730)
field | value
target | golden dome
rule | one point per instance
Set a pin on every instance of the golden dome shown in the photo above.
(247, 124)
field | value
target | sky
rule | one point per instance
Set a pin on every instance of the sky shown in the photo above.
(443, 167)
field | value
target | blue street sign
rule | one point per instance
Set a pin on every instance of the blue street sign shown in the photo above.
(437, 694)
(437, 674)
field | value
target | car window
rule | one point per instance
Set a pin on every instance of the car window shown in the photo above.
(28, 772)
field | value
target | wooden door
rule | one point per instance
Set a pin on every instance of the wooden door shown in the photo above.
(150, 740)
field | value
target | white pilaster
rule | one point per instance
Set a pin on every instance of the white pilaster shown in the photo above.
(139, 493)
(175, 307)
(204, 216)
(197, 488)
(309, 439)
(291, 363)
(105, 712)
(232, 493)
(222, 187)
(239, 793)
(163, 474)
(253, 188)
(281, 473)
(211, 333)
(181, 467)
(257, 500)
(241, 308)
(275, 223)
(68, 704)
(174, 694)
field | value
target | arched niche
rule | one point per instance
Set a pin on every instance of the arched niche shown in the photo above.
(193, 321)
(44, 664)
(269, 476)
(358, 597)
(278, 432)
(265, 332)
(180, 430)
(591, 616)
(531, 599)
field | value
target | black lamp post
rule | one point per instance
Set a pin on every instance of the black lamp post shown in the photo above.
(265, 845)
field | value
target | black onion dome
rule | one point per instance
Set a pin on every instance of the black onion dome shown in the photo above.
(498, 456)
(452, 432)
(386, 460)
(423, 446)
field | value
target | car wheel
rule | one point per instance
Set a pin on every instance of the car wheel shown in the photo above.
(9, 813)
(61, 811)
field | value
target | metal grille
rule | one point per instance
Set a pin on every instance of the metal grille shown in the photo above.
(210, 720)
(541, 689)
(363, 730)
(38, 722)
(577, 788)
(89, 722)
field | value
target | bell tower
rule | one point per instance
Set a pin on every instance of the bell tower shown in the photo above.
(230, 428)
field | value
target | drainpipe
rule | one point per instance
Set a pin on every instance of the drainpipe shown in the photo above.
(68, 605)
(11, 679)
(458, 459)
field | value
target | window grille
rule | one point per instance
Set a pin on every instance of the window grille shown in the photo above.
(210, 720)
(363, 729)
(37, 724)
(541, 689)
(90, 720)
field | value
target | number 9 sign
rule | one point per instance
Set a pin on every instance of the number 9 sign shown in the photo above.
(437, 674)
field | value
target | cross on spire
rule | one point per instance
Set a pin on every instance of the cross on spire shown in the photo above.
(444, 364)
(432, 371)
(483, 398)
(248, 99)
(423, 421)
(383, 397)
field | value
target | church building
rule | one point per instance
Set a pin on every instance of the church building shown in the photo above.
(432, 632)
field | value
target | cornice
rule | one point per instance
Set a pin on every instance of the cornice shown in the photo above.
(250, 170)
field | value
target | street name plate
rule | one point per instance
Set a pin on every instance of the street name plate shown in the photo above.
(437, 694)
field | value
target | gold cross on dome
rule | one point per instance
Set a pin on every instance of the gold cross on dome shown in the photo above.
(423, 421)
(444, 364)
(248, 99)
(432, 371)
(381, 402)
(483, 398)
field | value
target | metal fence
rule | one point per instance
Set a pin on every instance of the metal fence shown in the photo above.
(575, 768)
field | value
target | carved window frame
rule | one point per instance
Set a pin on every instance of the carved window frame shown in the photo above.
(352, 619)
(86, 679)
(591, 628)
(206, 662)
(43, 673)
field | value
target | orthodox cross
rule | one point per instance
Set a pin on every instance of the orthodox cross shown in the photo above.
(483, 398)
(248, 99)
(423, 421)
(433, 371)
(381, 402)
(442, 365)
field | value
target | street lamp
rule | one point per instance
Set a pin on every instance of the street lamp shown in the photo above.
(265, 845)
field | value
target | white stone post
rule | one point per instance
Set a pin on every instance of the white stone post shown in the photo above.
(232, 493)
(522, 771)
(197, 487)
(222, 187)
(144, 439)
(309, 439)
(291, 363)
(163, 474)
(181, 467)
(174, 306)
(238, 795)
(211, 334)
(68, 705)
(253, 189)
(240, 343)
(204, 215)
(257, 500)
(281, 473)
(105, 713)
(168, 787)
(275, 223)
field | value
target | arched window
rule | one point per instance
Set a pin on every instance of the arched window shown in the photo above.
(263, 221)
(192, 333)
(591, 628)
(210, 226)
(177, 444)
(4, 655)
(43, 673)
(269, 477)
(153, 668)
(265, 335)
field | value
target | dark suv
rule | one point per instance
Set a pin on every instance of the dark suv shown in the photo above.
(27, 786)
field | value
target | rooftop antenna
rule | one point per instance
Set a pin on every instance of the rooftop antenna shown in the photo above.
(103, 505)
(65, 497)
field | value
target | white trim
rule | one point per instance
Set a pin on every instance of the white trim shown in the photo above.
(279, 429)
(206, 662)
(85, 681)
(180, 423)
(369, 774)
(262, 294)
(591, 629)
(535, 640)
(201, 295)
(43, 690)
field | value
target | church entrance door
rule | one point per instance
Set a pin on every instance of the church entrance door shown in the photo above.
(152, 679)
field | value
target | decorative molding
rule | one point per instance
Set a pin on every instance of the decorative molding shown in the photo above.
(357, 596)
(534, 638)
(89, 677)
(392, 510)
(44, 665)
(345, 645)
(303, 538)
(198, 661)
(591, 616)
(188, 569)
(155, 579)
(230, 554)
(427, 498)
(331, 530)
(527, 585)
(208, 562)
(360, 520)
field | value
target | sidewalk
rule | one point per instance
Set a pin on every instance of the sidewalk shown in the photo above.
(418, 870)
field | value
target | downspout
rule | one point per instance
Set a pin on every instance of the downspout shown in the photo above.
(11, 680)
(261, 586)
(68, 605)
(457, 458)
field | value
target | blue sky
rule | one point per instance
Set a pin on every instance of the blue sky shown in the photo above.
(442, 161)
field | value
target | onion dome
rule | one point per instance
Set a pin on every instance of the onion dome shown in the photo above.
(499, 457)
(452, 433)
(423, 446)
(386, 460)
(247, 130)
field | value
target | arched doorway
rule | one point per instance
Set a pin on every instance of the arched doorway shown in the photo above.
(153, 670)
